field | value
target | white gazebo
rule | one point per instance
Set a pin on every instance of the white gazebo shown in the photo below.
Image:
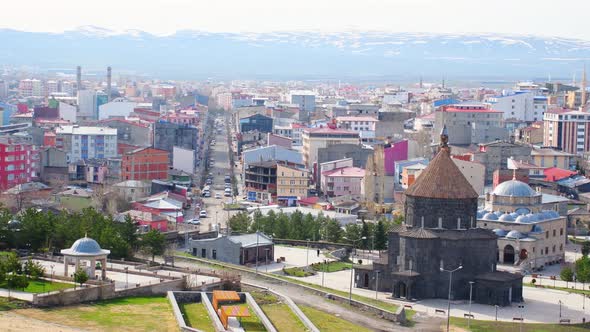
(86, 249)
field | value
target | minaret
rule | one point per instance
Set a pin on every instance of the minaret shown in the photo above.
(583, 87)
(444, 140)
(109, 83)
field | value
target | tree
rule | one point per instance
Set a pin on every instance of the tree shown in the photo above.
(583, 269)
(80, 276)
(16, 281)
(366, 235)
(33, 270)
(352, 232)
(586, 248)
(282, 226)
(239, 222)
(153, 243)
(380, 236)
(296, 231)
(567, 274)
(333, 231)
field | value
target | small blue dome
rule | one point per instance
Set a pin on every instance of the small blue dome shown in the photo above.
(523, 211)
(515, 235)
(480, 214)
(490, 216)
(500, 232)
(532, 217)
(522, 219)
(537, 229)
(498, 213)
(514, 188)
(514, 215)
(506, 217)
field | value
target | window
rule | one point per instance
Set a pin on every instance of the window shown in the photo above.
(561, 247)
(554, 233)
(214, 254)
(553, 248)
(561, 231)
(546, 250)
(204, 253)
(547, 234)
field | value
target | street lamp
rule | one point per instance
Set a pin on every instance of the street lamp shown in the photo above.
(377, 283)
(266, 259)
(324, 272)
(496, 312)
(354, 241)
(470, 293)
(307, 254)
(521, 307)
(52, 265)
(257, 252)
(126, 277)
(449, 301)
(559, 308)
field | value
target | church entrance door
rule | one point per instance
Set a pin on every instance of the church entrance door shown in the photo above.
(508, 254)
(366, 281)
(403, 292)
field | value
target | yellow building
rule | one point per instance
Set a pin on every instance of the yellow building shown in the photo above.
(292, 184)
(545, 157)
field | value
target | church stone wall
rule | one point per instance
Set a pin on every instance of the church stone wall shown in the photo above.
(434, 208)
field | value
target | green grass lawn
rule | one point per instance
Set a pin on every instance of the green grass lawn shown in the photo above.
(124, 314)
(283, 318)
(263, 297)
(41, 286)
(493, 326)
(334, 266)
(195, 315)
(326, 322)
(252, 323)
(297, 272)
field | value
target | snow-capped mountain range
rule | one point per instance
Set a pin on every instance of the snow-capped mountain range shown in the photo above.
(313, 55)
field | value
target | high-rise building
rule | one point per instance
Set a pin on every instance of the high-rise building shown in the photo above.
(305, 99)
(30, 88)
(316, 138)
(86, 142)
(567, 130)
(145, 164)
(87, 109)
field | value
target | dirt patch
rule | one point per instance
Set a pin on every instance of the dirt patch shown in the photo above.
(13, 322)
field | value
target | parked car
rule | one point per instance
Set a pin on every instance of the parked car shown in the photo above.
(207, 194)
(217, 196)
(194, 221)
(203, 214)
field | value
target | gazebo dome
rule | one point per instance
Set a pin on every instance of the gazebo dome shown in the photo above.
(514, 188)
(85, 247)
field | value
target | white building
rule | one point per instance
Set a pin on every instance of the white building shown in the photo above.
(30, 88)
(119, 107)
(305, 99)
(364, 125)
(86, 142)
(184, 159)
(67, 112)
(86, 104)
(518, 105)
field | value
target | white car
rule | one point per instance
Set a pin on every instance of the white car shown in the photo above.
(217, 196)
(194, 221)
(203, 214)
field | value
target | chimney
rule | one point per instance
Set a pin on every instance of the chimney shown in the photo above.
(109, 83)
(79, 78)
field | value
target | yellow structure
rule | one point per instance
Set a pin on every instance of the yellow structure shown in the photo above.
(545, 157)
(291, 182)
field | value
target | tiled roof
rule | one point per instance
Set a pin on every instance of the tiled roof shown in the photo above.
(442, 179)
(419, 233)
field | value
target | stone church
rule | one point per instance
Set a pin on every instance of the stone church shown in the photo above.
(440, 231)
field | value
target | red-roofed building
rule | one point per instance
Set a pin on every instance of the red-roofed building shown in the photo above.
(553, 174)
(470, 123)
(49, 138)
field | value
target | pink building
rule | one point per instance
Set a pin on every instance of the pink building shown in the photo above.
(274, 139)
(394, 152)
(345, 181)
(146, 218)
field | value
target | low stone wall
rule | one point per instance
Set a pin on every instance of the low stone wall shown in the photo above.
(178, 313)
(161, 288)
(261, 315)
(212, 314)
(74, 296)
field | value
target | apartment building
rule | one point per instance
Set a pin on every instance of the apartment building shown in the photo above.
(323, 137)
(470, 123)
(86, 142)
(19, 162)
(292, 184)
(364, 125)
(145, 164)
(345, 181)
(545, 157)
(567, 130)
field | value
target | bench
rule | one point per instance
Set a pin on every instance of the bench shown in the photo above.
(518, 318)
(564, 321)
(439, 311)
(407, 306)
(468, 316)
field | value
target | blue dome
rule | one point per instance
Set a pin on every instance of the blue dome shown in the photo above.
(537, 229)
(515, 235)
(490, 216)
(522, 219)
(506, 217)
(500, 232)
(480, 214)
(85, 247)
(498, 213)
(523, 211)
(514, 215)
(514, 188)
(532, 217)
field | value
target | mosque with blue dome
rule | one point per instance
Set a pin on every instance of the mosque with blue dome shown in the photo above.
(528, 236)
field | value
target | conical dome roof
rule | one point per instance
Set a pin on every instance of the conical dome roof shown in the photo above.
(442, 179)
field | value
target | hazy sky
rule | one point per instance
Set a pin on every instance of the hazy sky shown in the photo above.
(538, 17)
